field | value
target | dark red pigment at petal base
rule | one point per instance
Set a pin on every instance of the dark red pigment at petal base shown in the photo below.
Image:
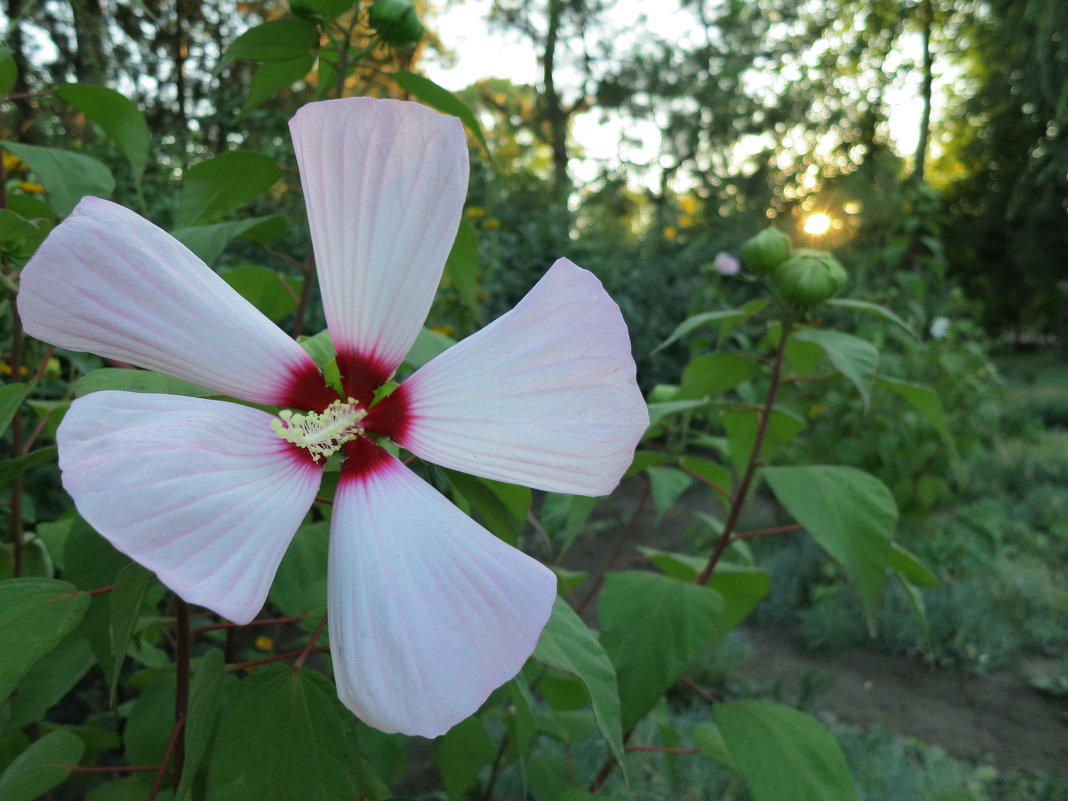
(362, 458)
(392, 416)
(361, 375)
(307, 389)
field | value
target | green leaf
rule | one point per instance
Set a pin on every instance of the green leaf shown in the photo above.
(566, 643)
(283, 39)
(35, 615)
(691, 324)
(426, 346)
(741, 587)
(658, 411)
(783, 754)
(871, 308)
(118, 117)
(151, 719)
(204, 692)
(9, 468)
(136, 381)
(300, 585)
(443, 100)
(502, 507)
(124, 603)
(575, 794)
(274, 294)
(742, 425)
(274, 77)
(714, 374)
(284, 731)
(11, 397)
(708, 739)
(47, 682)
(224, 183)
(910, 568)
(67, 176)
(666, 486)
(652, 626)
(462, 266)
(41, 767)
(564, 516)
(850, 513)
(208, 241)
(710, 471)
(852, 356)
(14, 227)
(925, 401)
(327, 10)
(461, 754)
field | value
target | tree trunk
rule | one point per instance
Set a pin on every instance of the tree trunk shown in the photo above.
(554, 114)
(90, 65)
(927, 10)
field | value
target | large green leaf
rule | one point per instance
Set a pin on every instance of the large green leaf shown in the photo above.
(41, 767)
(118, 117)
(871, 308)
(274, 294)
(461, 754)
(503, 507)
(14, 227)
(925, 401)
(277, 40)
(35, 615)
(136, 381)
(208, 241)
(8, 71)
(847, 511)
(691, 324)
(47, 682)
(300, 585)
(566, 643)
(564, 517)
(224, 183)
(461, 268)
(783, 754)
(714, 374)
(11, 397)
(204, 692)
(273, 76)
(67, 176)
(652, 626)
(284, 735)
(9, 468)
(666, 485)
(853, 357)
(442, 99)
(742, 424)
(124, 604)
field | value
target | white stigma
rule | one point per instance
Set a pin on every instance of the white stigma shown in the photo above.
(321, 434)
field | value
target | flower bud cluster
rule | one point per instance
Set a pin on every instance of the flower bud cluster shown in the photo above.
(396, 22)
(800, 277)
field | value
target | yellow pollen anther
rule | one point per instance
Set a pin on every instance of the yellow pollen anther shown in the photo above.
(321, 434)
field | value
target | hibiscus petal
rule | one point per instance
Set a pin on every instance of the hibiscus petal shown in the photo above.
(200, 491)
(384, 183)
(108, 281)
(429, 612)
(545, 396)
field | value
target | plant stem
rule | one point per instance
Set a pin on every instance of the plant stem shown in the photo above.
(176, 733)
(763, 532)
(754, 457)
(311, 642)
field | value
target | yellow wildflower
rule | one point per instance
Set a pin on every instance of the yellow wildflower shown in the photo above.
(264, 643)
(12, 163)
(30, 188)
(491, 222)
(474, 212)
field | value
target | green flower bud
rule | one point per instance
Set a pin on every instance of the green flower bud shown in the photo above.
(766, 251)
(396, 22)
(809, 277)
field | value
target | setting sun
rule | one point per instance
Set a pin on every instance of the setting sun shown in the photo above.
(817, 224)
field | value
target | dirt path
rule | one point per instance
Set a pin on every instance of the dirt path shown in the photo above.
(998, 719)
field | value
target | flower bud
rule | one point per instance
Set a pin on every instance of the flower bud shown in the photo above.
(809, 277)
(766, 251)
(396, 22)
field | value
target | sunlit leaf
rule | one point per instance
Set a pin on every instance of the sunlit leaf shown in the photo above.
(714, 374)
(855, 358)
(276, 40)
(273, 77)
(442, 99)
(223, 183)
(136, 381)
